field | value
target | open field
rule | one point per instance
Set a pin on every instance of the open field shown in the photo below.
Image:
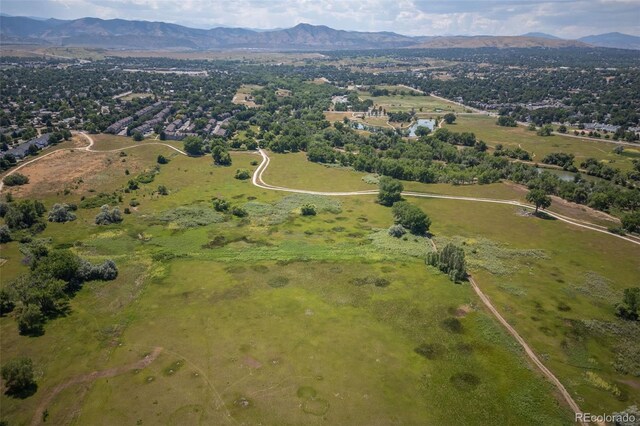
(132, 96)
(333, 116)
(265, 318)
(243, 95)
(275, 337)
(419, 103)
(485, 129)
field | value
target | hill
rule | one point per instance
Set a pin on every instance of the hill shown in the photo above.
(615, 40)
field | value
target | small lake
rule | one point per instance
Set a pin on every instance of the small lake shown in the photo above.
(422, 122)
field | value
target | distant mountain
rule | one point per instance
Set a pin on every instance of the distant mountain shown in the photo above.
(541, 35)
(473, 42)
(145, 35)
(616, 40)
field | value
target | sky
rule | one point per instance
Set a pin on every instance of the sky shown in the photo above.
(563, 18)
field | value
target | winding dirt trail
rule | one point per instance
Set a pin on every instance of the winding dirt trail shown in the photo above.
(88, 378)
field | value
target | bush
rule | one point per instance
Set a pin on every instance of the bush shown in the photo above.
(6, 302)
(18, 374)
(451, 261)
(137, 136)
(61, 213)
(220, 156)
(630, 306)
(106, 271)
(506, 121)
(631, 222)
(239, 212)
(107, 217)
(397, 231)
(162, 159)
(162, 190)
(411, 217)
(5, 235)
(220, 205)
(308, 210)
(242, 174)
(3, 208)
(15, 179)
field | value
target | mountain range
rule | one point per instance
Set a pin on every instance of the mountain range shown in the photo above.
(145, 35)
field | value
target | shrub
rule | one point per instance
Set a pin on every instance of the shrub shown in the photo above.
(220, 204)
(137, 136)
(6, 301)
(61, 213)
(127, 210)
(15, 179)
(134, 203)
(3, 208)
(630, 305)
(18, 374)
(631, 222)
(98, 200)
(254, 163)
(107, 216)
(242, 174)
(105, 271)
(5, 235)
(411, 217)
(397, 231)
(308, 210)
(506, 121)
(239, 212)
(162, 159)
(162, 190)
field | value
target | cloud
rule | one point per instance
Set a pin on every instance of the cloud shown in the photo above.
(565, 18)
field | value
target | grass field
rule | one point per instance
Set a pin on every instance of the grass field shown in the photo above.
(283, 319)
(419, 103)
(131, 96)
(485, 129)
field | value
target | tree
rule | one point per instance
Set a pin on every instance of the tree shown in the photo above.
(18, 375)
(23, 214)
(193, 145)
(15, 179)
(562, 129)
(545, 130)
(411, 217)
(221, 156)
(242, 174)
(451, 261)
(220, 205)
(630, 222)
(506, 121)
(30, 320)
(308, 210)
(137, 136)
(630, 305)
(449, 118)
(539, 198)
(5, 235)
(162, 159)
(390, 191)
(61, 213)
(162, 190)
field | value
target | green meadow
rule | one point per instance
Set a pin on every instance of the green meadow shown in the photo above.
(278, 318)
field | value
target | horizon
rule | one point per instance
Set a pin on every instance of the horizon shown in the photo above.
(567, 19)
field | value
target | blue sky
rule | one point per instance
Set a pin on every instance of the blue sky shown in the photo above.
(564, 18)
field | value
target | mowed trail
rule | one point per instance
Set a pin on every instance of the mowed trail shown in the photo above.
(90, 377)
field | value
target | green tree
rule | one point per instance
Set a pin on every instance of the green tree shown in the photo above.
(30, 320)
(162, 159)
(23, 214)
(390, 191)
(411, 217)
(451, 261)
(449, 118)
(631, 222)
(221, 156)
(242, 174)
(630, 305)
(539, 198)
(137, 136)
(18, 375)
(15, 179)
(193, 145)
(5, 235)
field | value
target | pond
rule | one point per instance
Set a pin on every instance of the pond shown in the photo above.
(422, 122)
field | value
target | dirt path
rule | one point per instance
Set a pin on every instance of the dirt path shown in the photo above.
(88, 378)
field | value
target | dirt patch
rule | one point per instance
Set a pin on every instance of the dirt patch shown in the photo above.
(633, 383)
(73, 170)
(463, 310)
(252, 362)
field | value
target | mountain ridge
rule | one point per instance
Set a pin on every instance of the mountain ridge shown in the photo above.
(149, 35)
